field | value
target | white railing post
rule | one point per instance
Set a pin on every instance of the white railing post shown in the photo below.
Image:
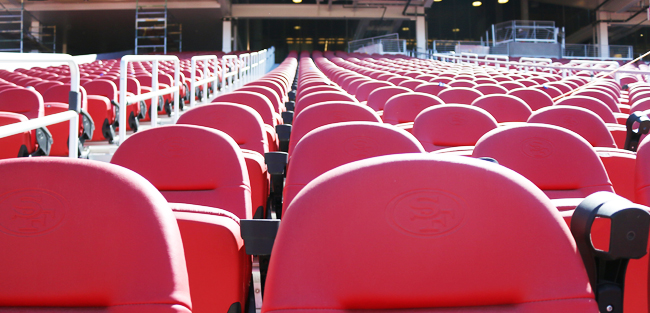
(194, 83)
(71, 115)
(153, 95)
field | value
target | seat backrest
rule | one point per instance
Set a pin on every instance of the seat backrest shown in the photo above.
(556, 160)
(489, 89)
(45, 85)
(22, 100)
(504, 108)
(322, 96)
(642, 174)
(364, 90)
(425, 226)
(102, 87)
(10, 147)
(576, 119)
(592, 104)
(403, 108)
(536, 99)
(112, 245)
(431, 88)
(268, 93)
(459, 95)
(377, 98)
(327, 113)
(602, 96)
(451, 125)
(241, 123)
(190, 164)
(329, 146)
(256, 101)
(61, 93)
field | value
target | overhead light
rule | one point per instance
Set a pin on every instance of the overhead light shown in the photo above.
(437, 0)
(297, 1)
(502, 1)
(641, 35)
(407, 29)
(474, 4)
(297, 26)
(455, 30)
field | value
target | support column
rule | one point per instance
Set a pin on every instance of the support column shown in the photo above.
(603, 39)
(35, 29)
(524, 10)
(234, 36)
(421, 33)
(227, 35)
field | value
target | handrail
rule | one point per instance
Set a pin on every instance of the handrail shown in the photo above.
(153, 95)
(225, 77)
(245, 70)
(72, 115)
(550, 66)
(469, 56)
(497, 57)
(206, 78)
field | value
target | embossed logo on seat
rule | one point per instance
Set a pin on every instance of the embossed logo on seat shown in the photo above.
(426, 212)
(360, 147)
(537, 148)
(174, 147)
(568, 120)
(31, 212)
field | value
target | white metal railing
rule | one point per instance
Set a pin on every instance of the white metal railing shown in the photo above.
(244, 69)
(497, 57)
(153, 95)
(586, 51)
(71, 115)
(194, 83)
(533, 63)
(468, 57)
(229, 74)
(255, 62)
(524, 31)
(564, 69)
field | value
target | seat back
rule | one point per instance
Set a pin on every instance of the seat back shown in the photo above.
(190, 164)
(329, 146)
(403, 108)
(241, 123)
(591, 104)
(536, 99)
(61, 93)
(642, 174)
(12, 146)
(256, 101)
(504, 108)
(579, 120)
(106, 246)
(364, 90)
(328, 113)
(102, 87)
(423, 218)
(558, 161)
(451, 125)
(322, 96)
(268, 93)
(377, 98)
(459, 95)
(23, 101)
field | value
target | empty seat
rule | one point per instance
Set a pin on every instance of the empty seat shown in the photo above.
(329, 146)
(106, 244)
(18, 145)
(403, 108)
(321, 96)
(504, 108)
(591, 104)
(459, 95)
(536, 99)
(419, 227)
(579, 120)
(364, 90)
(217, 264)
(431, 88)
(451, 125)
(556, 160)
(190, 164)
(377, 98)
(328, 113)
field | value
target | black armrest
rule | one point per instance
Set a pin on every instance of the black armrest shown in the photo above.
(259, 235)
(292, 95)
(284, 134)
(633, 137)
(287, 117)
(276, 163)
(290, 105)
(628, 239)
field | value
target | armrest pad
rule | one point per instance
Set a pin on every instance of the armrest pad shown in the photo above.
(259, 235)
(290, 105)
(276, 162)
(287, 117)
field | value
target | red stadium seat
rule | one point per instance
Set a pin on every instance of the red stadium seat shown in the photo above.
(321, 96)
(591, 104)
(583, 122)
(536, 99)
(556, 160)
(459, 95)
(254, 100)
(333, 145)
(377, 98)
(19, 145)
(504, 108)
(218, 179)
(403, 108)
(108, 244)
(327, 113)
(385, 206)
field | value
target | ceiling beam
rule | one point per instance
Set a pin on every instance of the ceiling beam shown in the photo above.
(311, 11)
(33, 6)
